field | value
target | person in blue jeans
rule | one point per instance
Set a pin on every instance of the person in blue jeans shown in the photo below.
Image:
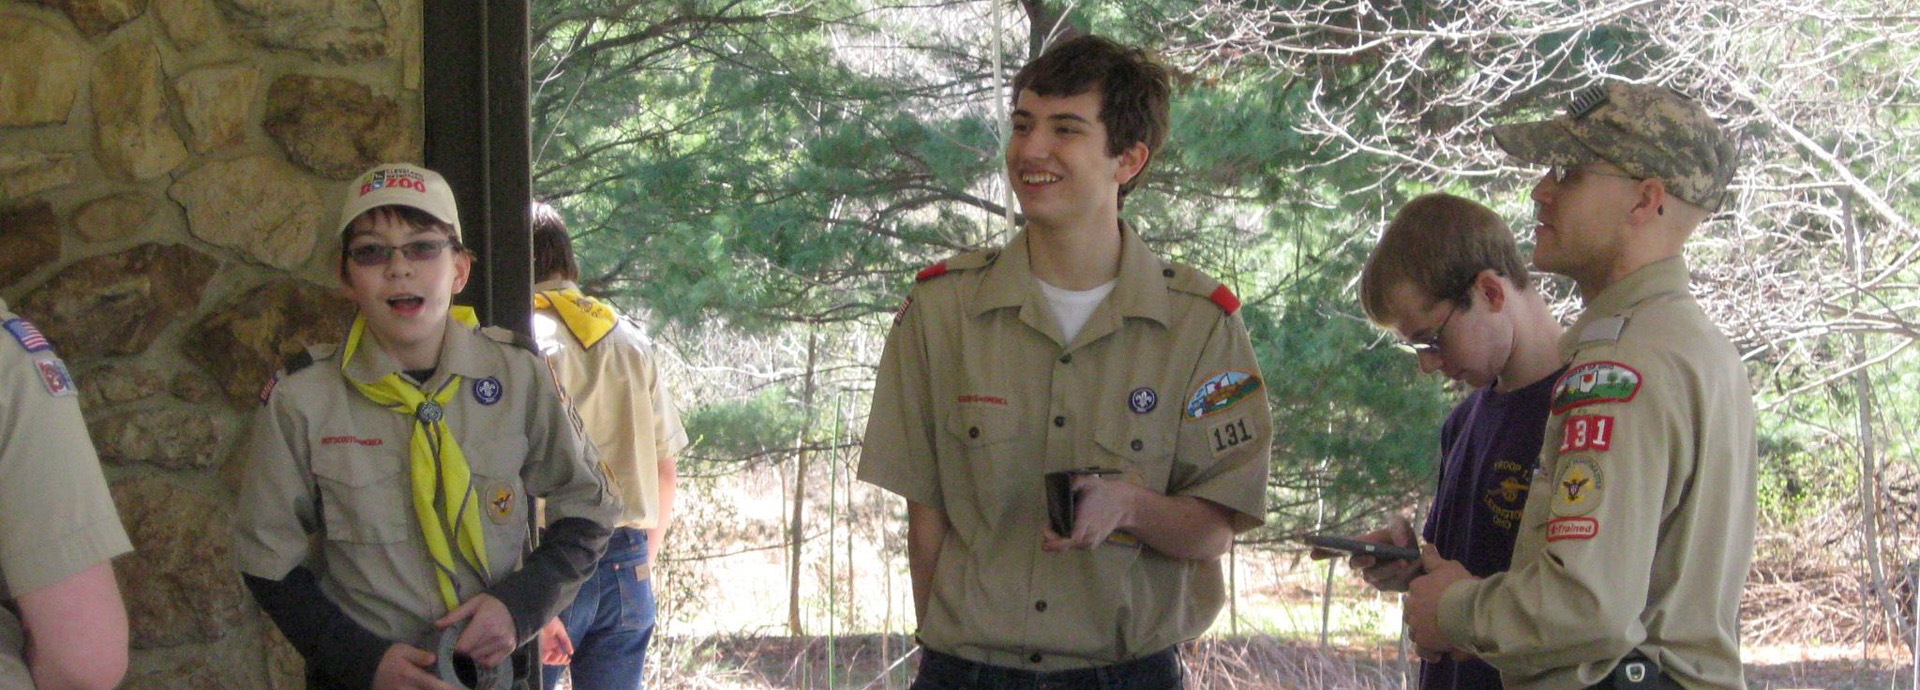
(1448, 280)
(605, 363)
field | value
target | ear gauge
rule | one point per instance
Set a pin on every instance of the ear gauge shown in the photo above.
(1662, 210)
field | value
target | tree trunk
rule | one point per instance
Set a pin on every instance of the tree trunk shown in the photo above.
(796, 534)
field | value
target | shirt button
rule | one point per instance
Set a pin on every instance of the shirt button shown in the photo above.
(1059, 421)
(1137, 445)
(973, 432)
(1040, 606)
(1035, 658)
(1066, 358)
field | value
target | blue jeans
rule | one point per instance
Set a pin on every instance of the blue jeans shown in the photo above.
(1159, 671)
(611, 620)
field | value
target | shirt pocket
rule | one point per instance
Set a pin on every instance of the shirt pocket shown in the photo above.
(1140, 448)
(364, 498)
(501, 498)
(984, 435)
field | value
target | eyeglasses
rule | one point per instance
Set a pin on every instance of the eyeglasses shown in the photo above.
(1430, 345)
(371, 255)
(1561, 173)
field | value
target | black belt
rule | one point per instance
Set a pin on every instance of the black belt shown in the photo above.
(1636, 672)
(1164, 664)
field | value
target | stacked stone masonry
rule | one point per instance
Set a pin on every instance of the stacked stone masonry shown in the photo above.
(168, 172)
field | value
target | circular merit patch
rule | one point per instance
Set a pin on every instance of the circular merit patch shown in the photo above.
(1142, 400)
(1577, 487)
(487, 391)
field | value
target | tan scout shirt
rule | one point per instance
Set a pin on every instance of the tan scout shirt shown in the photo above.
(1639, 529)
(628, 410)
(56, 517)
(324, 460)
(978, 398)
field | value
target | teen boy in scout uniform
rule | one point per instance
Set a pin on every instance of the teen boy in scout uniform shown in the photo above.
(1072, 346)
(1639, 529)
(408, 451)
(604, 362)
(58, 528)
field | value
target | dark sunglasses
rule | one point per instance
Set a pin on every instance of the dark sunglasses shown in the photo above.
(371, 255)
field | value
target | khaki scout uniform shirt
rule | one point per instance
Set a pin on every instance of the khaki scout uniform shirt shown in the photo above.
(323, 459)
(56, 517)
(628, 410)
(978, 398)
(1638, 531)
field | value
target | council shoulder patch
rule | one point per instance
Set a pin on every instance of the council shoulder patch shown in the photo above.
(1221, 391)
(1595, 382)
(1577, 487)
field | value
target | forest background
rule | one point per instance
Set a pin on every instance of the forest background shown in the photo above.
(758, 180)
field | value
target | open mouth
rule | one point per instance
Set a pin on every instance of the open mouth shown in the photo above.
(406, 304)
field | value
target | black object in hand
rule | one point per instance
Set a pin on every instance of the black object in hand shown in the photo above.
(1060, 497)
(1363, 548)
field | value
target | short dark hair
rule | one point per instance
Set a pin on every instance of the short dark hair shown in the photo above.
(1135, 90)
(552, 248)
(1438, 243)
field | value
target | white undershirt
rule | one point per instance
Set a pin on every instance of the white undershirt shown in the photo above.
(1072, 308)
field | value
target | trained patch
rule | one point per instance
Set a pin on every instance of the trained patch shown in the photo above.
(1576, 490)
(28, 336)
(1587, 432)
(1559, 529)
(487, 391)
(1231, 434)
(58, 380)
(500, 501)
(1142, 400)
(1221, 391)
(1595, 382)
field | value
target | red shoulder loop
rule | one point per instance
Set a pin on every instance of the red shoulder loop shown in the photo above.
(1225, 299)
(931, 272)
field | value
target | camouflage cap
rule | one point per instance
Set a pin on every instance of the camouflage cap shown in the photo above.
(1648, 131)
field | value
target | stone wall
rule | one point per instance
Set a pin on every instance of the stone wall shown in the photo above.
(168, 170)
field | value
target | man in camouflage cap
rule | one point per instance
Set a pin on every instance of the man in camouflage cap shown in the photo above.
(1638, 529)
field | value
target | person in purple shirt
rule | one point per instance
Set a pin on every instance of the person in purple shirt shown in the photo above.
(1447, 279)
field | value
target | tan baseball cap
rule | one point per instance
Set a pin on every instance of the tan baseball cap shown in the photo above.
(401, 184)
(1648, 131)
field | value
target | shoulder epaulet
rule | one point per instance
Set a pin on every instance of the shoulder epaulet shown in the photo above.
(1189, 280)
(1603, 330)
(508, 336)
(960, 262)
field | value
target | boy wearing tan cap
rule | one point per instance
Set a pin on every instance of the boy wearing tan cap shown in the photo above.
(1638, 531)
(384, 496)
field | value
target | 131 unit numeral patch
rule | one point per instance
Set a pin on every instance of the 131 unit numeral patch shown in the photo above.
(1587, 432)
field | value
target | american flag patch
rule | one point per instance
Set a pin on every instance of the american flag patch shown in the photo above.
(28, 336)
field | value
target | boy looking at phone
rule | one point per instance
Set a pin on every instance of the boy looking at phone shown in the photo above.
(1448, 280)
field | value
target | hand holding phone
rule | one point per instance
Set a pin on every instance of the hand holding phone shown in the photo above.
(1357, 547)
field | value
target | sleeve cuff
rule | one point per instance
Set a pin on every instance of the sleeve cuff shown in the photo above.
(1456, 615)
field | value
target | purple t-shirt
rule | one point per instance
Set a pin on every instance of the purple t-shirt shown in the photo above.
(1488, 448)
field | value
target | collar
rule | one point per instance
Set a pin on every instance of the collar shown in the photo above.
(1663, 277)
(461, 349)
(556, 284)
(1140, 289)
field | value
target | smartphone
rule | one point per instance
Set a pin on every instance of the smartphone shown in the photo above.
(1362, 548)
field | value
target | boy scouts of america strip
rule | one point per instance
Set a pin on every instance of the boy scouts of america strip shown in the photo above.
(28, 336)
(1595, 382)
(1220, 392)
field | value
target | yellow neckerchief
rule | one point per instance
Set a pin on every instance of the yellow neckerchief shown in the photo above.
(585, 316)
(432, 448)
